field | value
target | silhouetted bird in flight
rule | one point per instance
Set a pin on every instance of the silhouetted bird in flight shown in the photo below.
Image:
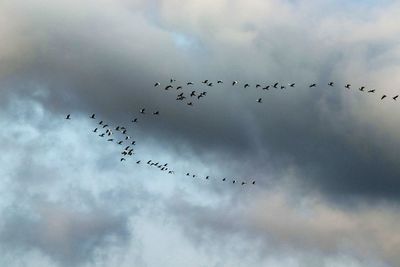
(189, 83)
(259, 100)
(395, 97)
(330, 84)
(371, 91)
(95, 130)
(168, 86)
(275, 85)
(92, 117)
(292, 84)
(156, 112)
(219, 81)
(234, 82)
(312, 85)
(383, 97)
(142, 110)
(68, 117)
(190, 104)
(348, 86)
(246, 85)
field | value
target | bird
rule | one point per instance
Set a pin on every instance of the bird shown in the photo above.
(246, 85)
(266, 87)
(330, 83)
(207, 177)
(156, 112)
(101, 135)
(168, 86)
(110, 140)
(149, 162)
(122, 159)
(126, 148)
(127, 137)
(395, 97)
(257, 85)
(172, 80)
(68, 117)
(171, 172)
(312, 85)
(234, 82)
(134, 120)
(259, 100)
(292, 84)
(275, 85)
(219, 81)
(95, 130)
(92, 117)
(179, 87)
(133, 142)
(243, 183)
(105, 125)
(205, 81)
(283, 87)
(223, 179)
(187, 174)
(254, 182)
(120, 142)
(383, 97)
(361, 88)
(189, 83)
(210, 84)
(190, 104)
(138, 162)
(193, 93)
(371, 91)
(100, 122)
(234, 181)
(348, 86)
(156, 84)
(142, 110)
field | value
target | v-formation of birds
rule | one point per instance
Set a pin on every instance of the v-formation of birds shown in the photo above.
(106, 131)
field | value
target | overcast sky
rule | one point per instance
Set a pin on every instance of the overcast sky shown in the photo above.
(325, 159)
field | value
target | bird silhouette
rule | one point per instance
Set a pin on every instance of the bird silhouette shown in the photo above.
(312, 85)
(68, 117)
(348, 86)
(92, 117)
(383, 97)
(259, 100)
(395, 97)
(234, 83)
(330, 83)
(156, 84)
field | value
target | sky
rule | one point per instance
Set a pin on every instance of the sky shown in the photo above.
(325, 159)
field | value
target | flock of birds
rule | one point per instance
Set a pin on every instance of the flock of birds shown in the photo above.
(119, 134)
(276, 85)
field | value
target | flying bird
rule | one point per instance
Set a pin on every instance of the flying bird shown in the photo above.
(190, 104)
(292, 84)
(312, 85)
(348, 86)
(330, 84)
(275, 85)
(168, 86)
(246, 85)
(189, 83)
(219, 81)
(95, 130)
(371, 91)
(92, 117)
(259, 100)
(234, 82)
(266, 87)
(68, 117)
(395, 97)
(156, 84)
(142, 110)
(156, 112)
(383, 97)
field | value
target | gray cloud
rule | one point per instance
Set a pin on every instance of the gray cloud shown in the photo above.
(104, 57)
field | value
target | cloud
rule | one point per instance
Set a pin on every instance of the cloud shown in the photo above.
(104, 57)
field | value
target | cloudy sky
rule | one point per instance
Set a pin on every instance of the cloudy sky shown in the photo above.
(326, 159)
